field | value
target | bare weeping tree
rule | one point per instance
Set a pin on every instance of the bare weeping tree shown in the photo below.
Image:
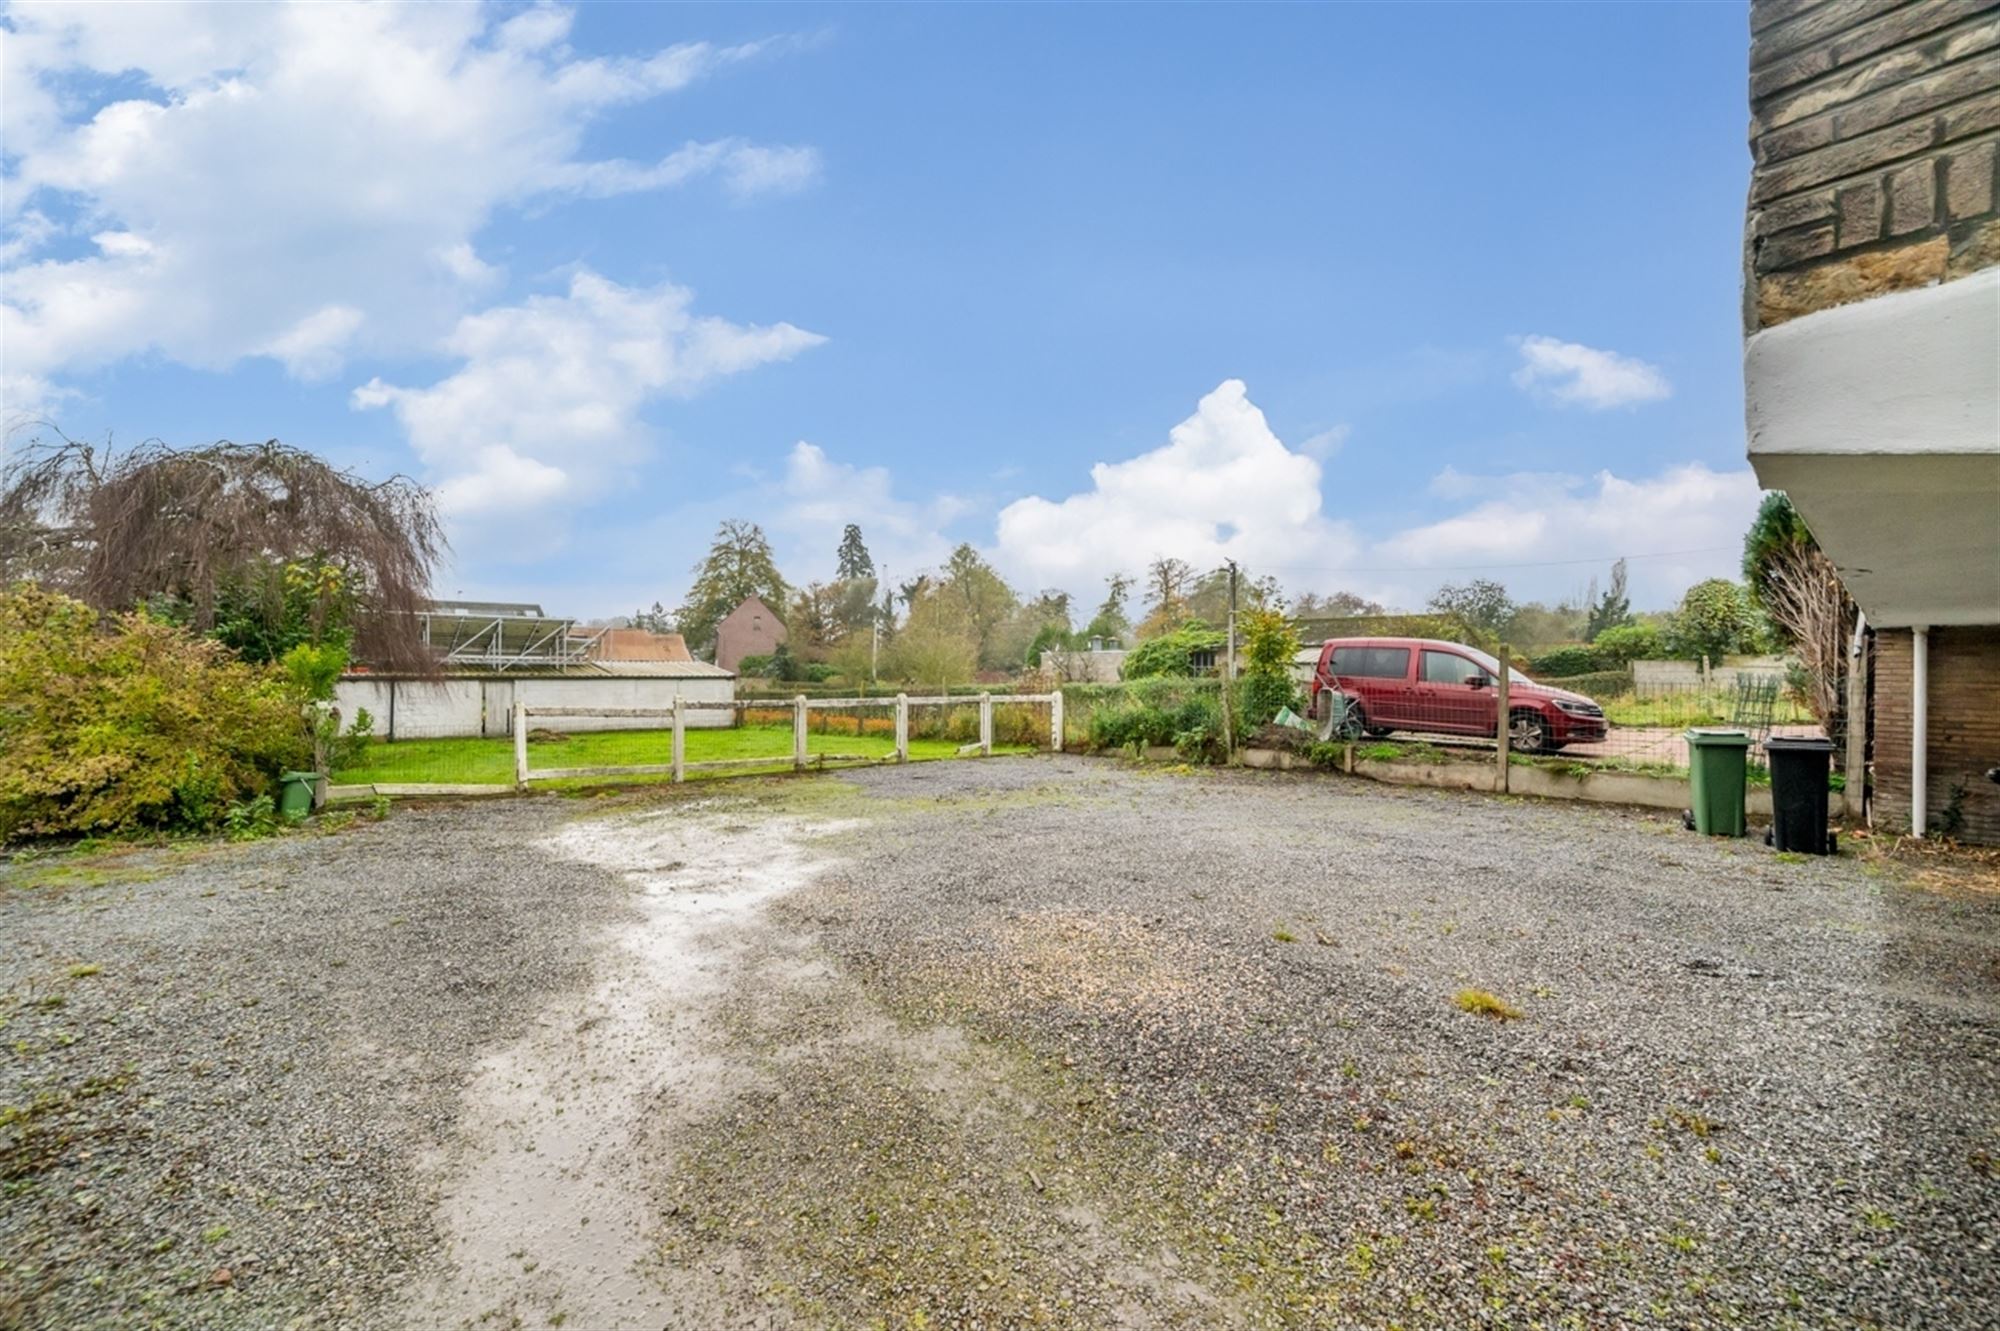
(1805, 598)
(118, 528)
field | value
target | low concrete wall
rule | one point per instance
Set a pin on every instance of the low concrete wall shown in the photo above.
(1685, 676)
(1651, 792)
(459, 708)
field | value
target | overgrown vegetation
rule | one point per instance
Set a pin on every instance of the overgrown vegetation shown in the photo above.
(1175, 652)
(259, 545)
(1269, 643)
(143, 726)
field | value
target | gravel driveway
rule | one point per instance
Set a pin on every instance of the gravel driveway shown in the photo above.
(1019, 1042)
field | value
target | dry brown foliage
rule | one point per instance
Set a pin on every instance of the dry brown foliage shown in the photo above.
(116, 528)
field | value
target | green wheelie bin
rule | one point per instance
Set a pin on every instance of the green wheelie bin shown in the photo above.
(295, 794)
(1717, 759)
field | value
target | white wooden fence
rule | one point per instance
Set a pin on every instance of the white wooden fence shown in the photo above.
(798, 759)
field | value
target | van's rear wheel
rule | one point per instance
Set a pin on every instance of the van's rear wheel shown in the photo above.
(1527, 732)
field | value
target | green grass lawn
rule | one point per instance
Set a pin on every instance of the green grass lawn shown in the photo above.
(1691, 709)
(491, 761)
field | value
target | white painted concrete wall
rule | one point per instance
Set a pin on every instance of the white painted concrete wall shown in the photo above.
(456, 708)
(1664, 676)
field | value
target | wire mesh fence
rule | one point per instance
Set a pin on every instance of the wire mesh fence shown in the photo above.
(1444, 701)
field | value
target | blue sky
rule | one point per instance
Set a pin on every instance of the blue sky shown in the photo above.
(1366, 297)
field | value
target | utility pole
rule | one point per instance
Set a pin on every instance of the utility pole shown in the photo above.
(1229, 672)
(875, 630)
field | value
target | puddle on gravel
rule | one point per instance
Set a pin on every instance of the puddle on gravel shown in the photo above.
(542, 1204)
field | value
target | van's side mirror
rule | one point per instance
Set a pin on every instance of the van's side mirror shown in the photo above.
(1479, 681)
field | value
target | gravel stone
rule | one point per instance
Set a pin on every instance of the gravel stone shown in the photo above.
(1126, 1046)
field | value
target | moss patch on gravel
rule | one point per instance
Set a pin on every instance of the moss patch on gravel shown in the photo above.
(885, 1173)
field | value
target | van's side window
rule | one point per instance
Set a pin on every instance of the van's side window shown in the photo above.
(1372, 662)
(1448, 668)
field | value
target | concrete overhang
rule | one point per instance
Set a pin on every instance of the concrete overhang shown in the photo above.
(1881, 420)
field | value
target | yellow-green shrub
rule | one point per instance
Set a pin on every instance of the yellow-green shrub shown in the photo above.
(134, 725)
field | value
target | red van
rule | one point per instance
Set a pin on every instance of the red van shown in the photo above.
(1448, 688)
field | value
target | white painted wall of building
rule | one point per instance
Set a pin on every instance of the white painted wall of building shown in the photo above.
(1881, 420)
(457, 708)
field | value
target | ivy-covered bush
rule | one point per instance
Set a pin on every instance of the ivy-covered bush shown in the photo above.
(1628, 643)
(140, 725)
(1572, 659)
(1173, 653)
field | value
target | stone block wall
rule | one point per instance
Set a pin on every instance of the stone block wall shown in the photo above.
(1963, 734)
(1875, 134)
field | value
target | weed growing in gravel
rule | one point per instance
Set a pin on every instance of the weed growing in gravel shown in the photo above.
(250, 820)
(1284, 935)
(1483, 1004)
(83, 971)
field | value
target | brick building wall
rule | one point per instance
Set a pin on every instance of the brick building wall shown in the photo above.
(1964, 729)
(1875, 135)
(751, 629)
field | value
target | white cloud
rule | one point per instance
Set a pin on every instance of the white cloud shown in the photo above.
(1323, 445)
(1575, 375)
(281, 161)
(314, 348)
(822, 496)
(546, 405)
(1222, 487)
(1688, 519)
(747, 170)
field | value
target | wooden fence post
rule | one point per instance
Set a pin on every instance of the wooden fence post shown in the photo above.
(902, 727)
(1503, 733)
(799, 733)
(680, 743)
(520, 745)
(1056, 721)
(986, 725)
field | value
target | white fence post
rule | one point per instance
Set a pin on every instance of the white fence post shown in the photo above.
(986, 725)
(680, 743)
(902, 727)
(520, 746)
(1503, 733)
(799, 733)
(1056, 721)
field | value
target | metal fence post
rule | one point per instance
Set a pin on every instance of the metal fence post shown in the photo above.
(799, 733)
(1056, 721)
(902, 727)
(986, 725)
(680, 743)
(1503, 733)
(520, 746)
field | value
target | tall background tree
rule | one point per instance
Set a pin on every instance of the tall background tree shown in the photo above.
(264, 545)
(1611, 610)
(1338, 605)
(1111, 622)
(739, 564)
(1481, 603)
(853, 560)
(986, 600)
(657, 620)
(1716, 618)
(1168, 581)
